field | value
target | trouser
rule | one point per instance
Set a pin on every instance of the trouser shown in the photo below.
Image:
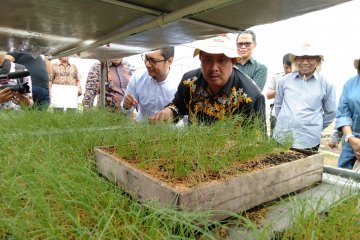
(347, 157)
(272, 124)
(41, 97)
(313, 149)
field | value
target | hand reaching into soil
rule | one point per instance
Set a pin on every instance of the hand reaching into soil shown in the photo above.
(165, 115)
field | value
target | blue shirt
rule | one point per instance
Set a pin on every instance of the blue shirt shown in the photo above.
(303, 109)
(348, 112)
(151, 95)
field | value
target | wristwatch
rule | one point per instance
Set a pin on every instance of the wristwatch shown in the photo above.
(348, 136)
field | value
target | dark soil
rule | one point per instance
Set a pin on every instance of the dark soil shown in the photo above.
(194, 178)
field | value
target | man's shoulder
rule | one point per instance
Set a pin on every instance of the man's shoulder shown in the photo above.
(245, 82)
(192, 73)
(352, 80)
(141, 75)
(251, 64)
(130, 68)
(127, 64)
(18, 67)
(288, 78)
(72, 65)
(14, 54)
(241, 75)
(259, 65)
(278, 75)
(56, 64)
(96, 66)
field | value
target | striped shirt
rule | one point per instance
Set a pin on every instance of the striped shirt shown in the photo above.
(255, 70)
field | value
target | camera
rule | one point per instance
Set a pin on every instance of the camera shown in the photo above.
(16, 86)
(20, 88)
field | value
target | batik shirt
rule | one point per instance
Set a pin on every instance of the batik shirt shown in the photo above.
(255, 70)
(65, 74)
(239, 96)
(115, 84)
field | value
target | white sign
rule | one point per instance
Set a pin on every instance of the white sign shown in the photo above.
(64, 96)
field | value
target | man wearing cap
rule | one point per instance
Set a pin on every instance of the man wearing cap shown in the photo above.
(348, 120)
(216, 90)
(304, 101)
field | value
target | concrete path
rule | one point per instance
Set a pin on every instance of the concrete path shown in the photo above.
(279, 216)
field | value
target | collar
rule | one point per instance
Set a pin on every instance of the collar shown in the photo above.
(65, 64)
(110, 64)
(251, 60)
(315, 75)
(162, 82)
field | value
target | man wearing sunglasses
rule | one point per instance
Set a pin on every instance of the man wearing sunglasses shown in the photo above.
(152, 90)
(246, 43)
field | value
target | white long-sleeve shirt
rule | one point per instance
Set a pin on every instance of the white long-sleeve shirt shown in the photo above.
(151, 95)
(303, 109)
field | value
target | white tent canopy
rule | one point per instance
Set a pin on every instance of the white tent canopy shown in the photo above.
(105, 29)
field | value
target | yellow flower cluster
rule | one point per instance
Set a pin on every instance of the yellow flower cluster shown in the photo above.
(218, 107)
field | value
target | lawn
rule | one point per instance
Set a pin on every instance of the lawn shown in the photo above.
(50, 188)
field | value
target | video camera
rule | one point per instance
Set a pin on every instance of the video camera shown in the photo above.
(20, 87)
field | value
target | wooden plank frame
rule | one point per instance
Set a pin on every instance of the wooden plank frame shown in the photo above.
(236, 194)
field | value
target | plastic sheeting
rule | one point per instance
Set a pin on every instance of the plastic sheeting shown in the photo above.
(106, 29)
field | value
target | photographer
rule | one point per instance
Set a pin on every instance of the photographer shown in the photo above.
(14, 92)
(40, 70)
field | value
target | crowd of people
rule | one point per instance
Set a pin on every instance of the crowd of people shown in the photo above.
(228, 82)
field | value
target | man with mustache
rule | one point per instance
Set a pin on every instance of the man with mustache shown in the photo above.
(215, 91)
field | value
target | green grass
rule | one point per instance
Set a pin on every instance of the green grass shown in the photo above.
(340, 220)
(195, 151)
(50, 188)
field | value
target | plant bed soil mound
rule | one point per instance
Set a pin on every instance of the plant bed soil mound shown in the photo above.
(159, 171)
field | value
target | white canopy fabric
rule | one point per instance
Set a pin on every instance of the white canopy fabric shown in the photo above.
(107, 29)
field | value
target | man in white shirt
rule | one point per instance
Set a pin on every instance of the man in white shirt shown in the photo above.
(153, 89)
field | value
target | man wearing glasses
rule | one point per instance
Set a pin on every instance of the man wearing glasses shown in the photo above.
(305, 102)
(246, 43)
(152, 90)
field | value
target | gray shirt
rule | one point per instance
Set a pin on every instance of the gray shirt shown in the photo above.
(303, 109)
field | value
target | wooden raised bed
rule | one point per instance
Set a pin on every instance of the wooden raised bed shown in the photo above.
(236, 194)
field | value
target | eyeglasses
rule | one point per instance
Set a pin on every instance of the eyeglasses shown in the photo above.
(152, 61)
(308, 58)
(246, 44)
